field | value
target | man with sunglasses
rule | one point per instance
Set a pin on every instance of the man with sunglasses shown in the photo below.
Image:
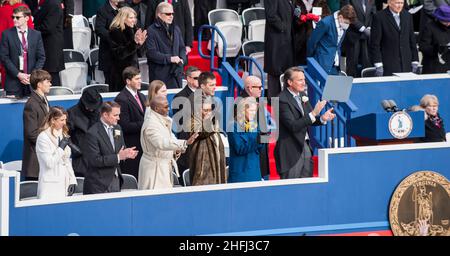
(166, 52)
(22, 51)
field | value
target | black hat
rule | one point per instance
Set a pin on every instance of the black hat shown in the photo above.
(91, 99)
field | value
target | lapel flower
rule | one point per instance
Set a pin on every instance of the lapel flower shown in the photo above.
(305, 99)
(116, 133)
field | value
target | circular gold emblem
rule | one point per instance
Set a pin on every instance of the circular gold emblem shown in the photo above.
(420, 206)
(400, 125)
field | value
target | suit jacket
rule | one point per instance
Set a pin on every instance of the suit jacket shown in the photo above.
(102, 159)
(131, 121)
(11, 49)
(292, 131)
(33, 116)
(279, 48)
(49, 20)
(105, 16)
(395, 48)
(432, 36)
(323, 44)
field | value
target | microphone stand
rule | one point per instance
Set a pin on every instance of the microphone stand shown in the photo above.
(333, 136)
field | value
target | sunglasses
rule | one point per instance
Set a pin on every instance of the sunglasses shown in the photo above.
(168, 13)
(16, 17)
(257, 87)
(195, 78)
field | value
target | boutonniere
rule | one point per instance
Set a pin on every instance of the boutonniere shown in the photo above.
(305, 99)
(117, 133)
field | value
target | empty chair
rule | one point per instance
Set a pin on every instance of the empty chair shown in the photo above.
(250, 47)
(60, 90)
(144, 86)
(251, 14)
(96, 74)
(79, 21)
(143, 68)
(256, 30)
(232, 31)
(101, 88)
(28, 189)
(186, 178)
(219, 15)
(80, 185)
(129, 182)
(368, 72)
(72, 56)
(176, 182)
(82, 40)
(13, 165)
(259, 58)
(74, 76)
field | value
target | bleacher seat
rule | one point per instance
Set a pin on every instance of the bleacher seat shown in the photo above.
(250, 47)
(252, 14)
(96, 74)
(143, 68)
(28, 189)
(129, 182)
(368, 72)
(232, 31)
(100, 88)
(60, 90)
(219, 15)
(71, 55)
(259, 58)
(79, 21)
(80, 185)
(256, 30)
(186, 178)
(74, 76)
(82, 40)
(13, 165)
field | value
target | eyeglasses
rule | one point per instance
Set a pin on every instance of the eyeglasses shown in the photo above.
(195, 78)
(168, 13)
(16, 17)
(257, 87)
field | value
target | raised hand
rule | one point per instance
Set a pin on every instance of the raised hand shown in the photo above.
(318, 107)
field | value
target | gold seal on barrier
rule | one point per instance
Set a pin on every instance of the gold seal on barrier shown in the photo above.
(420, 206)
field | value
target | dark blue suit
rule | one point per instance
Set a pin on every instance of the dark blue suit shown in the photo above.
(244, 156)
(11, 49)
(323, 44)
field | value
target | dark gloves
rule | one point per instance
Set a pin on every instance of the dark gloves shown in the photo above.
(367, 32)
(71, 189)
(64, 142)
(379, 71)
(414, 67)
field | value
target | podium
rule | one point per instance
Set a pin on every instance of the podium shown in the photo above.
(387, 128)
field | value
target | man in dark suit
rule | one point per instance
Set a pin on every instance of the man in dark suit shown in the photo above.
(34, 114)
(104, 149)
(201, 10)
(21, 52)
(49, 20)
(356, 41)
(180, 102)
(81, 117)
(392, 42)
(324, 45)
(132, 109)
(278, 38)
(292, 151)
(166, 53)
(182, 18)
(105, 16)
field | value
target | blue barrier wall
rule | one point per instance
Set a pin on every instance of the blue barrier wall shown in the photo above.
(356, 197)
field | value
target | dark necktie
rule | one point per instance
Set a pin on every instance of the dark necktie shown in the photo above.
(24, 52)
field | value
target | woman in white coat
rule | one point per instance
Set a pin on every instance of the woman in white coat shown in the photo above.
(160, 147)
(56, 177)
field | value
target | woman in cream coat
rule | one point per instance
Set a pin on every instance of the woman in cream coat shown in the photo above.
(56, 177)
(160, 147)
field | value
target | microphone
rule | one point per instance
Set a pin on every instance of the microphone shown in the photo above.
(386, 106)
(394, 107)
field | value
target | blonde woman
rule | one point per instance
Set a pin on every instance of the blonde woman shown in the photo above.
(126, 41)
(56, 177)
(434, 125)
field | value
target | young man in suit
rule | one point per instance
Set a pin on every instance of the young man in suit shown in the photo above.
(21, 52)
(104, 149)
(392, 42)
(132, 109)
(325, 41)
(292, 151)
(34, 114)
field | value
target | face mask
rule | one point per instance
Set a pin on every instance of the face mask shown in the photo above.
(344, 26)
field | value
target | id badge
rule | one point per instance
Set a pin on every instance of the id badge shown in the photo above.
(21, 63)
